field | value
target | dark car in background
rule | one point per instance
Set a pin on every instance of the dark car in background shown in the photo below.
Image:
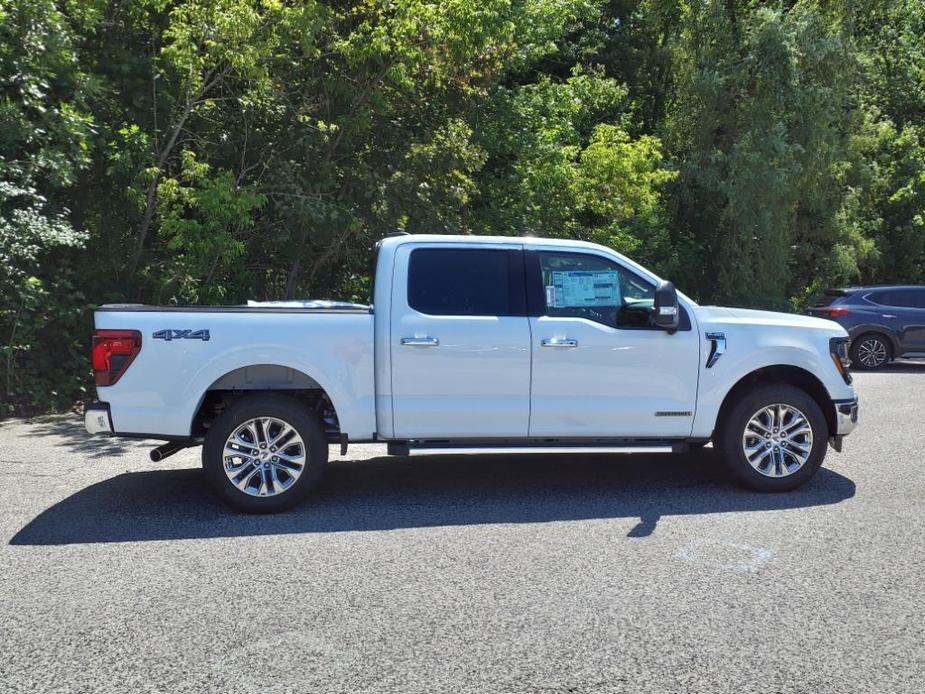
(884, 322)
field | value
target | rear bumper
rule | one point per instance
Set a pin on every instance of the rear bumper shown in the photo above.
(97, 419)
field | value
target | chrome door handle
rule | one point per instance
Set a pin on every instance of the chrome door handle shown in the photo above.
(888, 315)
(420, 341)
(559, 342)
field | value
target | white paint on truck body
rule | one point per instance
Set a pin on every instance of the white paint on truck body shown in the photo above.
(488, 376)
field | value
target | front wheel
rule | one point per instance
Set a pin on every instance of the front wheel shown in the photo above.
(265, 453)
(774, 438)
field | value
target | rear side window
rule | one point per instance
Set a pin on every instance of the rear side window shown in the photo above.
(883, 298)
(902, 298)
(466, 282)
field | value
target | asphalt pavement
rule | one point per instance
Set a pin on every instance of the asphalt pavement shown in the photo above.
(452, 574)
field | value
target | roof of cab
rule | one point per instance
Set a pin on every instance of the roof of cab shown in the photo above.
(844, 291)
(401, 239)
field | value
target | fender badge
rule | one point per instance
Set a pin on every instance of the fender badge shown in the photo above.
(171, 334)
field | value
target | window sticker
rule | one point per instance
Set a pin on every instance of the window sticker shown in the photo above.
(578, 288)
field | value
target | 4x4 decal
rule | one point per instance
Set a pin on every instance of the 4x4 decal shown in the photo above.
(170, 334)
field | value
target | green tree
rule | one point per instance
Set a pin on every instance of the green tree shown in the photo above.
(762, 125)
(179, 151)
(888, 173)
(45, 129)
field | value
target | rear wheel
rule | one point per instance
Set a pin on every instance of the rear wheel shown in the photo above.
(774, 438)
(265, 453)
(870, 352)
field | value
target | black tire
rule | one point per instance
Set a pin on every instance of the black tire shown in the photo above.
(281, 407)
(866, 347)
(732, 430)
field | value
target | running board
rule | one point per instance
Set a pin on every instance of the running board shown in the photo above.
(405, 449)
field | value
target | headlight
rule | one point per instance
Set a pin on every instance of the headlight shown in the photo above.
(838, 349)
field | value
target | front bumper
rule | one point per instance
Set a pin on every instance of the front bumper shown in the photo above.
(846, 419)
(846, 416)
(97, 419)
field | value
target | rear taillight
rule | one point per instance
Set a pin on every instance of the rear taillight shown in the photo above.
(113, 352)
(835, 312)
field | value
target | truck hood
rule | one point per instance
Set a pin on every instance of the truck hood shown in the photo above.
(710, 316)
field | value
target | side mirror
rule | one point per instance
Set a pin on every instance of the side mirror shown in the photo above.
(667, 314)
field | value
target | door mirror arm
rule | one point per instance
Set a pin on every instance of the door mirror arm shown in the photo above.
(667, 314)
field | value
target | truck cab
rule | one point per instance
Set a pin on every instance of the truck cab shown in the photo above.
(494, 339)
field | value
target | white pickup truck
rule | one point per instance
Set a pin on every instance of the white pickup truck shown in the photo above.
(474, 345)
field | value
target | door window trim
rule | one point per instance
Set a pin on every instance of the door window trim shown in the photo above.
(536, 296)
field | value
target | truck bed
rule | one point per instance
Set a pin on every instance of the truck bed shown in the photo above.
(188, 351)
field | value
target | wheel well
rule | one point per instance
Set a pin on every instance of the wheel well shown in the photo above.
(265, 378)
(782, 373)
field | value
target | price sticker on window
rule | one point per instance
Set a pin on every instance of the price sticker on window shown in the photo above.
(581, 288)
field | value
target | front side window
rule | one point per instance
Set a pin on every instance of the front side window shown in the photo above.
(911, 298)
(588, 286)
(462, 281)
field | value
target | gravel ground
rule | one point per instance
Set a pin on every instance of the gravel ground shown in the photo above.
(516, 574)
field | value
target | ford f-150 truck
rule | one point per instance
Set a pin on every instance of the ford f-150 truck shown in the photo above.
(474, 345)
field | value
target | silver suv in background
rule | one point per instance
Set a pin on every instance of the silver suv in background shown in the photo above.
(884, 322)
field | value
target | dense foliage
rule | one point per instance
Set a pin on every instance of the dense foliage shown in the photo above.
(219, 150)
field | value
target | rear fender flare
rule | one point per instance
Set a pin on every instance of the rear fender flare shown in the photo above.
(216, 369)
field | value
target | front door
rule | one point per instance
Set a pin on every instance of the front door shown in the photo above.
(460, 342)
(600, 369)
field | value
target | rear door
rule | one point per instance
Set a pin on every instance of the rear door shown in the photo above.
(460, 341)
(910, 308)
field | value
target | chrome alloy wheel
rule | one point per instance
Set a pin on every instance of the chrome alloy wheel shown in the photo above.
(777, 440)
(264, 456)
(872, 352)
